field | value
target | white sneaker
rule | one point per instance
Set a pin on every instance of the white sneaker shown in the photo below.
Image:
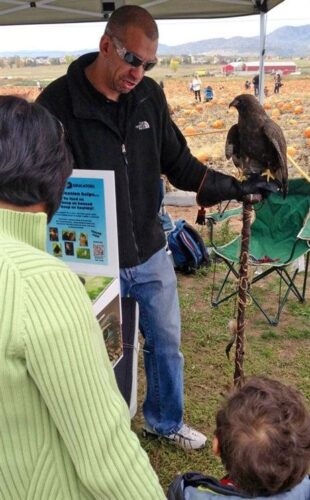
(186, 437)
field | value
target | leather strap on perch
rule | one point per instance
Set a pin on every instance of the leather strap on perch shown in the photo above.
(248, 202)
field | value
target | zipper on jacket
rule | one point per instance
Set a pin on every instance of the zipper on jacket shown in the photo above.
(124, 153)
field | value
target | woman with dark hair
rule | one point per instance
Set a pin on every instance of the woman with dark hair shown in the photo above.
(65, 429)
(34, 160)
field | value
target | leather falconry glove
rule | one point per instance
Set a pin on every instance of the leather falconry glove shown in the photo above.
(216, 187)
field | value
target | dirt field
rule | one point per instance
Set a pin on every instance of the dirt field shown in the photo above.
(29, 93)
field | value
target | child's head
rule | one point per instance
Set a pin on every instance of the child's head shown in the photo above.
(263, 433)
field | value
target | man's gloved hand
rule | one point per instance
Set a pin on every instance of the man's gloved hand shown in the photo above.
(216, 187)
(257, 184)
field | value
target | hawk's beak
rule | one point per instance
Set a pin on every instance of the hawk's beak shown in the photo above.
(233, 103)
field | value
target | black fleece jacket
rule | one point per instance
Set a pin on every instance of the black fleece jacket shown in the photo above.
(137, 140)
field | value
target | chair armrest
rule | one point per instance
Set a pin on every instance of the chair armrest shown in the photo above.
(215, 217)
(304, 233)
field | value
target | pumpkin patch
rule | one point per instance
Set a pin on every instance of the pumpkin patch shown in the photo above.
(205, 125)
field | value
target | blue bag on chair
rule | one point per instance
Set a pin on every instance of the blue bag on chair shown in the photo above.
(187, 247)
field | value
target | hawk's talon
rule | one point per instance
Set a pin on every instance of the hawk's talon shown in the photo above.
(268, 174)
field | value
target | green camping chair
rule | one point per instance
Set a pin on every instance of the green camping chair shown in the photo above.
(280, 234)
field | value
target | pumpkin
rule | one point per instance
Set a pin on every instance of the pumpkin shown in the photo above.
(291, 150)
(307, 132)
(202, 156)
(189, 130)
(298, 110)
(218, 124)
(287, 106)
(202, 124)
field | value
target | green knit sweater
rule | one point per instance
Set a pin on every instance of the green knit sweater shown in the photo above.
(64, 427)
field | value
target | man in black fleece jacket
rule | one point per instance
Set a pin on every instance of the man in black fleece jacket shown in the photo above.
(117, 119)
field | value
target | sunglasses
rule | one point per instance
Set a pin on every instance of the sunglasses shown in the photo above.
(130, 57)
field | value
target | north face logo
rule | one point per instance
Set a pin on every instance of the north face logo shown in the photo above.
(143, 125)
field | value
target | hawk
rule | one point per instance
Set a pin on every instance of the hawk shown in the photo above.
(256, 143)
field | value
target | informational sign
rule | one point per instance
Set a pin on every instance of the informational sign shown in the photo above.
(83, 233)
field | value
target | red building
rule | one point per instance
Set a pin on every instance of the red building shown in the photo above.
(283, 67)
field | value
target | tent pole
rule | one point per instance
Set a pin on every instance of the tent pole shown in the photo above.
(262, 38)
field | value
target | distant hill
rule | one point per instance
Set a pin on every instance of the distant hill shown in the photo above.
(288, 41)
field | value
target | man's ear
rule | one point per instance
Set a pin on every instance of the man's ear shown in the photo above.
(104, 44)
(216, 446)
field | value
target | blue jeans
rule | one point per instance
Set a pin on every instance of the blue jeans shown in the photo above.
(153, 285)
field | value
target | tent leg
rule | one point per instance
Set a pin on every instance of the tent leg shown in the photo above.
(305, 276)
(263, 22)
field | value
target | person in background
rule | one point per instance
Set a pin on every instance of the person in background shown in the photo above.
(277, 83)
(196, 86)
(116, 118)
(262, 438)
(255, 82)
(247, 85)
(209, 94)
(65, 428)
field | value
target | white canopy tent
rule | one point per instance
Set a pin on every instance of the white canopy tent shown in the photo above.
(17, 12)
(73, 11)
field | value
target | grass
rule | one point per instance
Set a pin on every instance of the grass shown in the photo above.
(28, 76)
(279, 351)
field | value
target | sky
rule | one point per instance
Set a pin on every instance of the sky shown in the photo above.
(86, 35)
